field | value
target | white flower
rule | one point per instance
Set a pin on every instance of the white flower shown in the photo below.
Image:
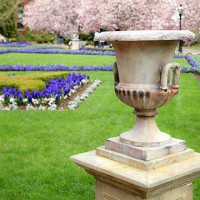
(84, 96)
(76, 87)
(72, 91)
(2, 98)
(1, 106)
(6, 108)
(35, 101)
(72, 107)
(84, 81)
(66, 96)
(51, 101)
(12, 100)
(90, 90)
(29, 107)
(25, 100)
(13, 106)
(41, 107)
(52, 107)
(77, 101)
(45, 100)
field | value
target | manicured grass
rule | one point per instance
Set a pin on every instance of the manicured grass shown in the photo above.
(183, 62)
(35, 146)
(195, 47)
(52, 59)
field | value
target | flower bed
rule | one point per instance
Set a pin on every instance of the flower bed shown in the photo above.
(55, 91)
(58, 51)
(80, 98)
(58, 67)
(190, 61)
(196, 63)
(54, 68)
(14, 44)
(44, 47)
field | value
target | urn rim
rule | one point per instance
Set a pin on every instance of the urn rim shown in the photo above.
(145, 35)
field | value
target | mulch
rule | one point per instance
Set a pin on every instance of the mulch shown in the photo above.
(197, 76)
(63, 104)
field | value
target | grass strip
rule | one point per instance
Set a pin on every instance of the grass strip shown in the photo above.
(35, 146)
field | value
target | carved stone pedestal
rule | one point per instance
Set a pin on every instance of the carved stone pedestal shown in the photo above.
(106, 191)
(121, 177)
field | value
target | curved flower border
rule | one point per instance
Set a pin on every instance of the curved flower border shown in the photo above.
(55, 91)
(79, 99)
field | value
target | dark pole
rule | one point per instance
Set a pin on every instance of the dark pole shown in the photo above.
(180, 48)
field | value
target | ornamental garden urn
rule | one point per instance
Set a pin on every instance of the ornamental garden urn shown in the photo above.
(145, 78)
(144, 162)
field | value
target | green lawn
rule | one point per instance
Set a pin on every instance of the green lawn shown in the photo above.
(41, 59)
(67, 59)
(35, 146)
(195, 47)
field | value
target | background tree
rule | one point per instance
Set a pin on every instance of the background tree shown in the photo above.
(52, 16)
(7, 14)
(138, 15)
(67, 16)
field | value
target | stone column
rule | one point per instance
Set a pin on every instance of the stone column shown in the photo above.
(75, 44)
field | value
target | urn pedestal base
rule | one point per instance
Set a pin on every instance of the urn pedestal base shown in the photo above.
(166, 178)
(145, 153)
(106, 191)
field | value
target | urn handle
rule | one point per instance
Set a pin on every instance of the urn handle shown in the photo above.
(166, 76)
(116, 74)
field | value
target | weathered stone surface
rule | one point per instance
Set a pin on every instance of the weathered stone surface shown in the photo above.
(153, 166)
(75, 44)
(105, 191)
(151, 184)
(145, 153)
(145, 165)
(145, 35)
(145, 133)
(142, 81)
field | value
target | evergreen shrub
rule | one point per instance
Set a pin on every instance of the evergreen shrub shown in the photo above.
(31, 82)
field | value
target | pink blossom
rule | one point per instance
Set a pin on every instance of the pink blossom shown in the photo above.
(69, 16)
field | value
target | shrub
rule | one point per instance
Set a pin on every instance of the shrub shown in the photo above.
(39, 39)
(85, 37)
(31, 82)
(29, 35)
(44, 38)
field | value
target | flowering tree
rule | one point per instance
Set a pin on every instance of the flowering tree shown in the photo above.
(52, 16)
(138, 15)
(65, 16)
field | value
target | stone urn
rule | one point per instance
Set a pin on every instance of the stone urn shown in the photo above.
(145, 78)
(143, 163)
